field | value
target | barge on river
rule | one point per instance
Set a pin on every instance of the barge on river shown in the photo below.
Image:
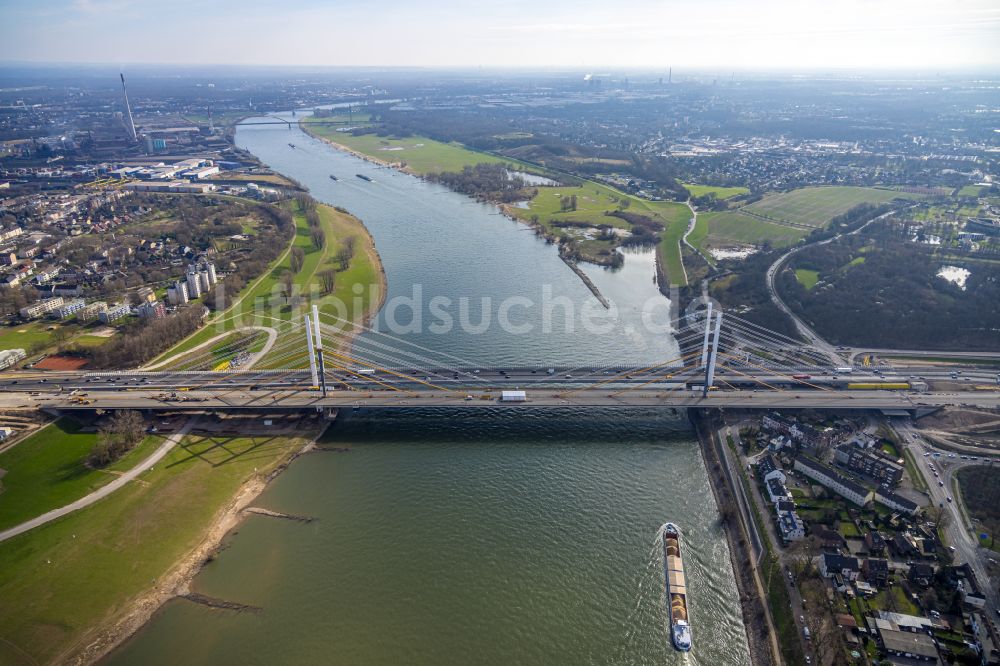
(673, 573)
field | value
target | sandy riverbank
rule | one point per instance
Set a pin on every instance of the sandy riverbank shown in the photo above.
(177, 581)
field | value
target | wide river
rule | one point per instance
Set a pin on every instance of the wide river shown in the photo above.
(445, 537)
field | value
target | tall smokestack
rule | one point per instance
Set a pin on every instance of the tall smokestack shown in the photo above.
(128, 108)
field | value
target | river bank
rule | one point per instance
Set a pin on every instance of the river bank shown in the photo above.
(177, 582)
(504, 209)
(760, 638)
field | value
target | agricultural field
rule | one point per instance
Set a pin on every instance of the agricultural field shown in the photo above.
(816, 206)
(63, 581)
(719, 192)
(733, 228)
(970, 191)
(48, 469)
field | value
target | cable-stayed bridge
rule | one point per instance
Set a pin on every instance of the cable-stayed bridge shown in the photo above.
(324, 362)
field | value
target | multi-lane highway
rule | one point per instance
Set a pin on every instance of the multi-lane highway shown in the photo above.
(938, 467)
(238, 399)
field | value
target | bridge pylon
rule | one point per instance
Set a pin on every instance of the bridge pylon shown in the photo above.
(711, 352)
(315, 343)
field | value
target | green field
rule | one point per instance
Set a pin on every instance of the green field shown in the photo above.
(47, 470)
(970, 191)
(719, 192)
(421, 155)
(806, 277)
(733, 227)
(62, 582)
(816, 206)
(593, 200)
(34, 335)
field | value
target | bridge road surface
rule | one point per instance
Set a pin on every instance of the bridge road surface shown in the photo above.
(102, 492)
(296, 399)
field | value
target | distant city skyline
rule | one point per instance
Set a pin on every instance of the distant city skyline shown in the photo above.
(729, 34)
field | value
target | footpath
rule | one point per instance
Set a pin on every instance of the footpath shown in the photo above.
(102, 492)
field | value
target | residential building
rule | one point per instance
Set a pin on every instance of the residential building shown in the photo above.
(875, 543)
(885, 496)
(829, 539)
(768, 468)
(790, 526)
(114, 313)
(801, 433)
(776, 490)
(921, 574)
(154, 310)
(68, 309)
(178, 294)
(830, 478)
(193, 284)
(40, 308)
(831, 564)
(869, 463)
(9, 357)
(146, 295)
(91, 312)
(876, 571)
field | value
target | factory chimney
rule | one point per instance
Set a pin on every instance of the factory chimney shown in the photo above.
(128, 108)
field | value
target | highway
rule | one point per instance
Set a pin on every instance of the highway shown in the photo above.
(938, 466)
(472, 379)
(237, 399)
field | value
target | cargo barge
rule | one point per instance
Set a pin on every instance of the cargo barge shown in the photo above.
(673, 573)
(363, 177)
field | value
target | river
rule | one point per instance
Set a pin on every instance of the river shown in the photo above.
(443, 537)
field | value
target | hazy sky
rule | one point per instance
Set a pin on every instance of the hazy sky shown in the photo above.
(737, 34)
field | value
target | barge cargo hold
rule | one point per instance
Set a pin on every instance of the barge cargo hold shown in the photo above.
(673, 573)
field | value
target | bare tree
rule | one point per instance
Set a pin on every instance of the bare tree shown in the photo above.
(329, 280)
(123, 431)
(297, 258)
(318, 237)
(287, 284)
